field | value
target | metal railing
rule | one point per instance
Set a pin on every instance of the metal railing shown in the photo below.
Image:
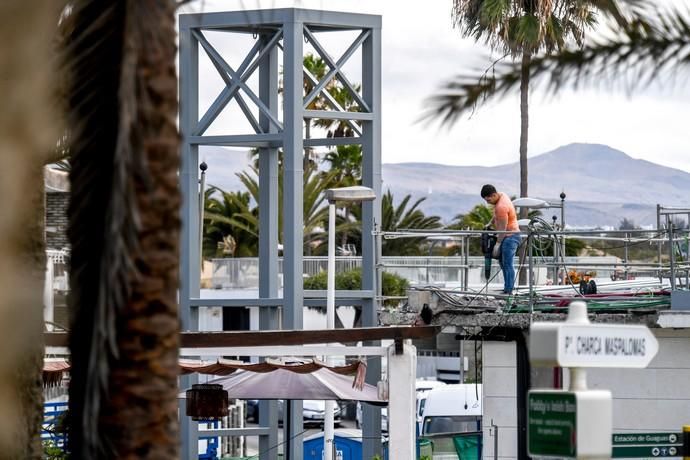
(544, 262)
(243, 273)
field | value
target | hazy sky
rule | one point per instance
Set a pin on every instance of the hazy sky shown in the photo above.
(421, 50)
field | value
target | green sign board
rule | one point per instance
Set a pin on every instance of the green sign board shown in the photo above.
(647, 445)
(646, 451)
(552, 420)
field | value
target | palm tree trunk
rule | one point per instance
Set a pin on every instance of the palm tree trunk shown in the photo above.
(124, 230)
(141, 413)
(28, 129)
(524, 127)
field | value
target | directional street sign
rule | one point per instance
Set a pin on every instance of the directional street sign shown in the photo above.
(578, 423)
(625, 439)
(647, 445)
(591, 345)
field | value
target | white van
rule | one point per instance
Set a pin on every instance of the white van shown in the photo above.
(452, 409)
(422, 389)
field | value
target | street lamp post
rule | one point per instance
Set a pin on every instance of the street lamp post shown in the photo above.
(355, 194)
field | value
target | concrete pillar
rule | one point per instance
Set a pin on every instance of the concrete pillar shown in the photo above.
(402, 373)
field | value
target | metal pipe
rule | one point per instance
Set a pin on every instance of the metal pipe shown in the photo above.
(672, 267)
(555, 258)
(414, 233)
(495, 427)
(668, 210)
(530, 274)
(202, 186)
(328, 420)
(563, 225)
(658, 230)
(462, 361)
(378, 267)
(466, 251)
(625, 246)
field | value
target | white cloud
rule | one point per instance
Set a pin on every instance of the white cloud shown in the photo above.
(421, 49)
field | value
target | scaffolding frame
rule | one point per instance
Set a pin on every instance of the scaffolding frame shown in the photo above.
(275, 30)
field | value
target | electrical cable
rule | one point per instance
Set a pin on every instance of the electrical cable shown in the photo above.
(539, 244)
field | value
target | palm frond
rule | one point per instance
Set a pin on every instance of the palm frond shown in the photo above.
(643, 51)
(103, 228)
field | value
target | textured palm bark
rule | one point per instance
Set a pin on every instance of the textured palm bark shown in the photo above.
(27, 130)
(140, 415)
(124, 230)
(524, 126)
(524, 131)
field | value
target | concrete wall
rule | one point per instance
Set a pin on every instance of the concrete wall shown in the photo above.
(645, 400)
(656, 398)
(499, 378)
(56, 220)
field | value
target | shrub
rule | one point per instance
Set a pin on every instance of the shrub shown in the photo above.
(393, 285)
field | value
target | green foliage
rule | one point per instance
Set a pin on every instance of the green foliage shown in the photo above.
(574, 247)
(346, 164)
(53, 452)
(402, 217)
(335, 128)
(644, 251)
(517, 29)
(230, 224)
(393, 284)
(315, 212)
(477, 219)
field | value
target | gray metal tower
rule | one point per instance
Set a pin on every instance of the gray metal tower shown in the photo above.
(280, 126)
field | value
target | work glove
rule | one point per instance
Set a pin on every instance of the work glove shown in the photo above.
(496, 253)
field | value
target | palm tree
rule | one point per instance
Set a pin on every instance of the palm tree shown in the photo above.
(394, 218)
(124, 229)
(652, 44)
(317, 67)
(400, 217)
(335, 128)
(230, 223)
(477, 219)
(517, 29)
(314, 211)
(346, 164)
(340, 128)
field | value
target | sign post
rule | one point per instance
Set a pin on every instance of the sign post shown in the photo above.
(578, 423)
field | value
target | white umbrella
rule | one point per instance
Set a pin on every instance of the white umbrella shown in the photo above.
(322, 384)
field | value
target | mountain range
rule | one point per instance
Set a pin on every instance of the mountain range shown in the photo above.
(602, 185)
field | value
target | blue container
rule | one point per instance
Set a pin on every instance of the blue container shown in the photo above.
(348, 445)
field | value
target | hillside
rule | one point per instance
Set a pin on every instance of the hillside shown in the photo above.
(603, 185)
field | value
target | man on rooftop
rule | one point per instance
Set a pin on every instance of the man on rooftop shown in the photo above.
(505, 219)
